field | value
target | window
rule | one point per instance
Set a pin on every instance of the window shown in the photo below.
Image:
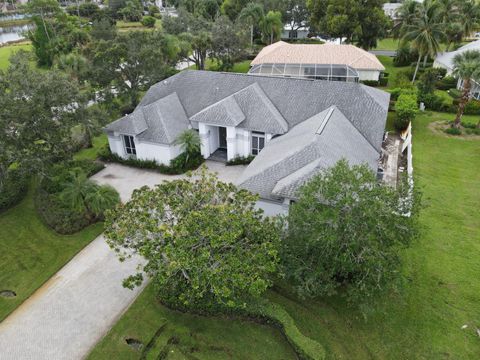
(129, 145)
(258, 142)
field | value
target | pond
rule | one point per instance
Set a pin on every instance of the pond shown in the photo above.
(12, 33)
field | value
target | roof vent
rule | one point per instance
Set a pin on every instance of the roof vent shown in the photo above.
(325, 120)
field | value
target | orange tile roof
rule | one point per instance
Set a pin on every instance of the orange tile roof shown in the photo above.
(285, 53)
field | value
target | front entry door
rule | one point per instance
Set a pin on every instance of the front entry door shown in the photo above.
(222, 138)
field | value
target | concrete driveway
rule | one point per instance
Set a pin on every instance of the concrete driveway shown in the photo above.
(72, 311)
(126, 179)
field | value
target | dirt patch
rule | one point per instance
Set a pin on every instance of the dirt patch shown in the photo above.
(134, 343)
(439, 127)
(109, 176)
(7, 294)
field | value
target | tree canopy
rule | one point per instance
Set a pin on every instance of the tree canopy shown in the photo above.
(345, 233)
(206, 244)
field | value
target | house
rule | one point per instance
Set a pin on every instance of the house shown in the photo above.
(390, 9)
(445, 61)
(317, 61)
(293, 127)
(290, 33)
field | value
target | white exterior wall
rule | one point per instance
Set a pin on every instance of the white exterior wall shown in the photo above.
(272, 208)
(368, 75)
(163, 154)
(116, 146)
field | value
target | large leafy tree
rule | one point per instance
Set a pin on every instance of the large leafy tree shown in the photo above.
(466, 67)
(37, 112)
(345, 233)
(205, 243)
(228, 42)
(133, 61)
(363, 21)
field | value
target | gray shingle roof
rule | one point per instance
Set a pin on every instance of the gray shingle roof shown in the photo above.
(226, 112)
(293, 100)
(132, 124)
(290, 160)
(165, 118)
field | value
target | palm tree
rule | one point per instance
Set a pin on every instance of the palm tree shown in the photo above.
(82, 194)
(189, 141)
(406, 15)
(466, 67)
(251, 14)
(448, 10)
(425, 32)
(470, 14)
(272, 25)
(102, 198)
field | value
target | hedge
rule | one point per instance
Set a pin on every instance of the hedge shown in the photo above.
(179, 165)
(305, 347)
(406, 109)
(241, 160)
(15, 186)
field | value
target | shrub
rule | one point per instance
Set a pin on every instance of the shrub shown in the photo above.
(58, 216)
(431, 101)
(55, 212)
(373, 83)
(154, 11)
(148, 21)
(474, 131)
(455, 93)
(468, 125)
(14, 189)
(179, 165)
(453, 131)
(447, 83)
(241, 160)
(406, 109)
(472, 107)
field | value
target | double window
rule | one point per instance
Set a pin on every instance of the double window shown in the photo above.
(258, 142)
(129, 145)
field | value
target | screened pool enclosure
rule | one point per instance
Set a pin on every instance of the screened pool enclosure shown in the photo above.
(310, 71)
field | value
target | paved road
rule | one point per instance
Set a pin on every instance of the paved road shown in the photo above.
(70, 313)
(391, 53)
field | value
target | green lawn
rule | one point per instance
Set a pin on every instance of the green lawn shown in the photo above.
(31, 253)
(422, 320)
(387, 44)
(135, 25)
(184, 336)
(392, 71)
(92, 153)
(7, 51)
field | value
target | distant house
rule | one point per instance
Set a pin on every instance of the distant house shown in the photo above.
(288, 33)
(390, 9)
(317, 61)
(293, 127)
(445, 60)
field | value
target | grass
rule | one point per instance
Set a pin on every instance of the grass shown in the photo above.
(392, 71)
(238, 67)
(387, 44)
(7, 51)
(188, 336)
(136, 25)
(32, 253)
(92, 153)
(422, 320)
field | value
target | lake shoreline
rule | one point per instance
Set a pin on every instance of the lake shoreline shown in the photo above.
(15, 22)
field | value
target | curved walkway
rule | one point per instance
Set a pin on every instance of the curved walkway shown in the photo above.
(66, 317)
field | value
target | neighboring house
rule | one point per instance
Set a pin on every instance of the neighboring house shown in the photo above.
(294, 127)
(390, 9)
(289, 33)
(317, 61)
(445, 60)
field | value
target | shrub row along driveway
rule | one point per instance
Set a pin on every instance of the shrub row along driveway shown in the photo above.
(65, 317)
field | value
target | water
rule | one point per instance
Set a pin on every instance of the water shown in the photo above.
(5, 17)
(12, 33)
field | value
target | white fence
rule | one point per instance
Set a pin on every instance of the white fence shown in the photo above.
(407, 145)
